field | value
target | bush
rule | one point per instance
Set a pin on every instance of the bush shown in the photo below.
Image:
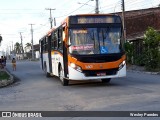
(4, 75)
(151, 49)
(129, 52)
(150, 54)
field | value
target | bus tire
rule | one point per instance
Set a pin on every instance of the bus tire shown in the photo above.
(106, 80)
(48, 75)
(64, 81)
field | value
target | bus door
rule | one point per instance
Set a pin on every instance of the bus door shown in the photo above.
(41, 53)
(65, 51)
(49, 54)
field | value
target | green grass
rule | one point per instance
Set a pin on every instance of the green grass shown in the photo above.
(4, 75)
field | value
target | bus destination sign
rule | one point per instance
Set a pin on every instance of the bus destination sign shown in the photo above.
(94, 19)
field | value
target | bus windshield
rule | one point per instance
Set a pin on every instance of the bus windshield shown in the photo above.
(85, 41)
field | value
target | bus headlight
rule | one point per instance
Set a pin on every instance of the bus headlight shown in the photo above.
(122, 64)
(76, 67)
(73, 65)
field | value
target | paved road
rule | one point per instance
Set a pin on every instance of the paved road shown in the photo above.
(136, 92)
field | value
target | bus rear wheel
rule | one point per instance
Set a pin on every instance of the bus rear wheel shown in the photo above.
(64, 81)
(106, 80)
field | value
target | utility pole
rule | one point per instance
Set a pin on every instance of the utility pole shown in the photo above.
(50, 19)
(123, 20)
(97, 7)
(22, 45)
(0, 39)
(12, 48)
(32, 41)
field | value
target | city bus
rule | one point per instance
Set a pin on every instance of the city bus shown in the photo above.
(84, 47)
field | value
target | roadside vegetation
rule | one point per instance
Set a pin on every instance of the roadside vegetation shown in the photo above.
(150, 54)
(4, 75)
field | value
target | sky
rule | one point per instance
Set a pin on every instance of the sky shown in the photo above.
(17, 15)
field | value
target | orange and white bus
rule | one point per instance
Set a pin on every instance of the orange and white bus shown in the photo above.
(84, 47)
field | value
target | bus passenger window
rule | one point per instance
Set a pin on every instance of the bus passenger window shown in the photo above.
(55, 40)
(46, 44)
(60, 40)
(52, 44)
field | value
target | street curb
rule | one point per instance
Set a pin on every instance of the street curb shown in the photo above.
(145, 72)
(4, 83)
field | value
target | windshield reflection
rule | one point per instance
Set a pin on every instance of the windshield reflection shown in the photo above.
(95, 41)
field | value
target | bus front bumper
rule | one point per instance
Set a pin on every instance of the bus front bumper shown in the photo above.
(76, 75)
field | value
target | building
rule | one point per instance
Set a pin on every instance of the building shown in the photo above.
(36, 51)
(28, 51)
(137, 22)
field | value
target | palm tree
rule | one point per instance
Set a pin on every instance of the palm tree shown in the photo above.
(17, 47)
(28, 44)
(28, 54)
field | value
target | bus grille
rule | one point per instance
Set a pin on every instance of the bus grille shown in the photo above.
(90, 73)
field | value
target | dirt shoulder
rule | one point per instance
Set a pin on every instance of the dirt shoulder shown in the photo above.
(135, 68)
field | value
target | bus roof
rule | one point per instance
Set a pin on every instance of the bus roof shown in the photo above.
(48, 33)
(95, 15)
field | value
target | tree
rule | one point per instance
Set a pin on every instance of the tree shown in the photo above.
(17, 47)
(28, 54)
(28, 44)
(152, 49)
(129, 52)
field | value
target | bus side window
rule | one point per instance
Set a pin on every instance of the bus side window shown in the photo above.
(41, 50)
(46, 44)
(52, 41)
(52, 44)
(60, 40)
(55, 40)
(43, 45)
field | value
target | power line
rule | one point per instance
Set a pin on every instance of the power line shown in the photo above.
(64, 3)
(73, 10)
(130, 5)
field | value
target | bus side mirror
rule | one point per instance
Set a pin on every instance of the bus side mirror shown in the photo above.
(69, 45)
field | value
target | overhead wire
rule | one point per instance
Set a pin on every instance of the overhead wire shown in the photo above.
(73, 10)
(130, 5)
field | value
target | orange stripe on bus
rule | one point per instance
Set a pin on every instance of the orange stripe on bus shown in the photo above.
(56, 52)
(93, 66)
(97, 66)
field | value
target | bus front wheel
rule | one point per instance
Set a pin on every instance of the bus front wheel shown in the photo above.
(64, 81)
(106, 80)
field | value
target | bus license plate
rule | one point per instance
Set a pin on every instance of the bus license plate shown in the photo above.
(101, 74)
